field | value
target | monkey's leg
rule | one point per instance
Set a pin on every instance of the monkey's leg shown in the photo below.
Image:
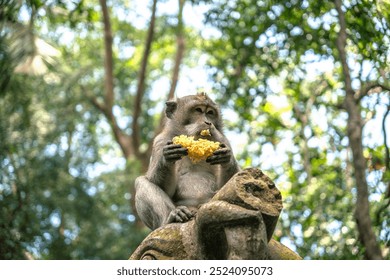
(152, 203)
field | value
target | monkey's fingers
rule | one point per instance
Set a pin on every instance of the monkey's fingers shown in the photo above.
(220, 161)
(173, 152)
(222, 151)
(169, 147)
(181, 214)
(185, 211)
(181, 217)
(173, 217)
(177, 218)
(173, 158)
(219, 158)
(179, 151)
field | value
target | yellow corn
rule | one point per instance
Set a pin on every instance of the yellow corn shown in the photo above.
(205, 132)
(199, 149)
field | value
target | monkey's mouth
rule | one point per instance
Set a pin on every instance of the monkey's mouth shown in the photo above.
(205, 132)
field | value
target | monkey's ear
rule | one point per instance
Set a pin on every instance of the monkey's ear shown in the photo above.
(171, 108)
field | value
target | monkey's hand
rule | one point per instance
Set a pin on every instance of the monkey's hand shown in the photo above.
(180, 214)
(173, 152)
(221, 156)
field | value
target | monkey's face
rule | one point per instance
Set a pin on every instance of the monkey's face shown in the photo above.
(201, 117)
(194, 114)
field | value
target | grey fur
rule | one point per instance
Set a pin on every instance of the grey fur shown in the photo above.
(174, 187)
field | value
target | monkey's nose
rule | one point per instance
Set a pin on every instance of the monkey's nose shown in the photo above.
(208, 123)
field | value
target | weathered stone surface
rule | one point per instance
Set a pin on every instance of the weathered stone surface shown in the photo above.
(252, 189)
(237, 223)
(277, 251)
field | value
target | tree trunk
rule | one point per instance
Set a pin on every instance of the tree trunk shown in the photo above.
(180, 42)
(141, 85)
(180, 48)
(354, 132)
(124, 140)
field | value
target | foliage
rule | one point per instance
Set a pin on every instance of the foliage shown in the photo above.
(283, 64)
(54, 203)
(65, 185)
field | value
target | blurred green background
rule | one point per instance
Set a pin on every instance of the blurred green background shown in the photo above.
(303, 86)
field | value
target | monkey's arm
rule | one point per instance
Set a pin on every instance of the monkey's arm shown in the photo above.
(161, 169)
(154, 191)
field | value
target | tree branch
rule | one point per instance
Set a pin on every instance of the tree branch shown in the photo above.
(386, 195)
(141, 82)
(341, 45)
(180, 48)
(371, 87)
(123, 140)
(101, 107)
(387, 155)
(180, 43)
(108, 58)
(304, 116)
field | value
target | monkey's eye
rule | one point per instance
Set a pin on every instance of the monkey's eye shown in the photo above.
(210, 112)
(198, 109)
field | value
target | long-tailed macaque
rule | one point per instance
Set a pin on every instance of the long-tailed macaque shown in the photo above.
(174, 186)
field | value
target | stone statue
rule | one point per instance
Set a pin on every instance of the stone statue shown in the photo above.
(237, 223)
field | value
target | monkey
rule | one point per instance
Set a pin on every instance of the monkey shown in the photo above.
(174, 187)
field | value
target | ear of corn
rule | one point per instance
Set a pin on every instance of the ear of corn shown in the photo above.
(199, 149)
